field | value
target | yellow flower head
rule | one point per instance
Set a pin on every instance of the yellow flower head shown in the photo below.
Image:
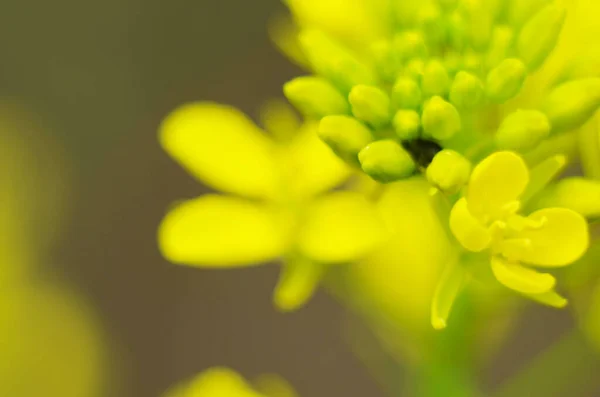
(488, 220)
(462, 75)
(277, 204)
(223, 382)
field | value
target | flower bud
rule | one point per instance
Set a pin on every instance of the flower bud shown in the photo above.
(371, 105)
(505, 80)
(522, 130)
(410, 44)
(440, 119)
(345, 135)
(449, 171)
(500, 45)
(407, 124)
(578, 194)
(435, 79)
(572, 104)
(406, 94)
(334, 62)
(386, 161)
(315, 97)
(539, 35)
(467, 91)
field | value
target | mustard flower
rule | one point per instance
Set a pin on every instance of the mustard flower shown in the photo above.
(465, 76)
(488, 223)
(223, 382)
(277, 203)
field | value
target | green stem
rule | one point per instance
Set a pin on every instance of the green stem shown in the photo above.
(570, 367)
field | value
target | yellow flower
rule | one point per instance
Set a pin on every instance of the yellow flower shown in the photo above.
(223, 382)
(275, 206)
(487, 219)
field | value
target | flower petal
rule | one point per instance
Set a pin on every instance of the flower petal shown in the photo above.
(495, 182)
(222, 147)
(299, 279)
(561, 240)
(467, 229)
(521, 279)
(214, 382)
(220, 231)
(311, 167)
(550, 298)
(340, 227)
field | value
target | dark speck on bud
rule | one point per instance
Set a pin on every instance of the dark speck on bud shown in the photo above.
(422, 151)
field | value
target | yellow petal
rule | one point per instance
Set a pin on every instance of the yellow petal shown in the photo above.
(550, 298)
(214, 382)
(521, 279)
(216, 231)
(467, 229)
(222, 147)
(299, 279)
(495, 182)
(357, 22)
(561, 240)
(310, 165)
(340, 227)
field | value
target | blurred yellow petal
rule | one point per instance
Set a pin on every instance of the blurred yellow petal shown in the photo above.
(550, 298)
(578, 194)
(284, 34)
(297, 283)
(521, 279)
(214, 382)
(562, 239)
(222, 147)
(355, 22)
(396, 282)
(272, 385)
(467, 229)
(51, 344)
(496, 181)
(340, 227)
(221, 231)
(310, 165)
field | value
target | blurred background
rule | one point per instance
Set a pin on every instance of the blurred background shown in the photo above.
(96, 78)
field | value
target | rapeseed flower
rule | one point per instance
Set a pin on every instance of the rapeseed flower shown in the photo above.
(277, 206)
(487, 222)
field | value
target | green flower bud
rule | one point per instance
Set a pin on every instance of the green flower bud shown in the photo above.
(415, 69)
(457, 31)
(410, 44)
(440, 119)
(429, 20)
(315, 97)
(467, 91)
(449, 171)
(500, 45)
(505, 81)
(345, 135)
(539, 35)
(407, 124)
(386, 161)
(472, 62)
(520, 11)
(406, 94)
(479, 23)
(522, 130)
(371, 105)
(572, 104)
(386, 60)
(435, 79)
(334, 62)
